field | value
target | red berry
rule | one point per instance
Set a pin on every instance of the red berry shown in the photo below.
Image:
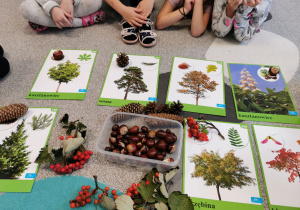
(78, 153)
(52, 166)
(84, 161)
(138, 184)
(73, 205)
(57, 165)
(129, 194)
(133, 184)
(81, 162)
(87, 157)
(90, 153)
(61, 138)
(113, 192)
(77, 164)
(76, 168)
(75, 157)
(116, 196)
(88, 187)
(83, 197)
(96, 202)
(94, 191)
(99, 196)
(66, 167)
(106, 189)
(69, 170)
(105, 194)
(69, 137)
(77, 204)
(134, 188)
(88, 194)
(82, 156)
(81, 166)
(86, 152)
(63, 170)
(78, 198)
(157, 174)
(136, 192)
(85, 191)
(82, 203)
(147, 182)
(80, 193)
(130, 189)
(88, 200)
(83, 187)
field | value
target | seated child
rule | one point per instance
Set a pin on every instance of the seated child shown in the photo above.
(246, 16)
(136, 23)
(174, 10)
(42, 14)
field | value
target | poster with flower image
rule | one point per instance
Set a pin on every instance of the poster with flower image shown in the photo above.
(130, 78)
(20, 144)
(219, 166)
(279, 153)
(65, 74)
(261, 94)
(198, 84)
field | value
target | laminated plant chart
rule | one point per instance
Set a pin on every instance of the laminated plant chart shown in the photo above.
(130, 78)
(261, 94)
(198, 84)
(21, 142)
(65, 74)
(279, 153)
(219, 167)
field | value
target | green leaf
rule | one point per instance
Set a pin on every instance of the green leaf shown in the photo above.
(58, 154)
(80, 126)
(108, 203)
(234, 137)
(124, 202)
(161, 206)
(147, 192)
(179, 201)
(65, 119)
(44, 156)
(171, 173)
(160, 198)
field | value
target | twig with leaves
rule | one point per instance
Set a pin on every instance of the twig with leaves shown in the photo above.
(41, 122)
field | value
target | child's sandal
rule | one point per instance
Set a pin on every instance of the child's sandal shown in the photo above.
(128, 33)
(147, 37)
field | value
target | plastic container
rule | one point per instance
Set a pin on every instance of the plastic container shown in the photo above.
(154, 123)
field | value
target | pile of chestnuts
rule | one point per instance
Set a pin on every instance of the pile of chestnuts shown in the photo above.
(142, 142)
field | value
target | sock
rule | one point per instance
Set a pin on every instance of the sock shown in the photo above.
(96, 17)
(77, 22)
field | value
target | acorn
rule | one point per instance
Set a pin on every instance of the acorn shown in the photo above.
(169, 138)
(159, 157)
(112, 140)
(161, 145)
(114, 134)
(144, 129)
(122, 130)
(131, 148)
(115, 127)
(171, 148)
(134, 129)
(152, 153)
(150, 143)
(161, 134)
(151, 134)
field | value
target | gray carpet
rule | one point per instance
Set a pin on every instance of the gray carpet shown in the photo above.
(26, 51)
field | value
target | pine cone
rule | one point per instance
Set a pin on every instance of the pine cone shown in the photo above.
(136, 108)
(176, 108)
(12, 112)
(163, 108)
(166, 116)
(151, 108)
(122, 60)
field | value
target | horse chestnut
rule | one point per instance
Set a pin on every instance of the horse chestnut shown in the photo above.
(141, 135)
(121, 145)
(164, 154)
(169, 138)
(161, 145)
(144, 129)
(144, 140)
(131, 148)
(114, 134)
(151, 134)
(161, 134)
(122, 130)
(174, 138)
(144, 156)
(144, 149)
(168, 131)
(159, 157)
(134, 129)
(138, 153)
(171, 148)
(134, 139)
(150, 143)
(117, 150)
(152, 153)
(112, 140)
(115, 127)
(139, 145)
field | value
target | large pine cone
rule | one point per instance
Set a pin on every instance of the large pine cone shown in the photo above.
(12, 112)
(176, 107)
(136, 108)
(122, 60)
(151, 108)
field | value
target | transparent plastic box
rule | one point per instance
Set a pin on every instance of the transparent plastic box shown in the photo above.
(154, 123)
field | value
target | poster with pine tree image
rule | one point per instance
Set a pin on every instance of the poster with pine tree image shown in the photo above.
(14, 158)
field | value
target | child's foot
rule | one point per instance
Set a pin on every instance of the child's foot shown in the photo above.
(96, 17)
(128, 33)
(37, 27)
(147, 37)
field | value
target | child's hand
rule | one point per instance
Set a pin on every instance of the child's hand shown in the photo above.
(188, 5)
(67, 6)
(232, 6)
(146, 7)
(252, 3)
(133, 16)
(59, 17)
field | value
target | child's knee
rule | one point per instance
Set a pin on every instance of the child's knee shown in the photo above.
(26, 8)
(96, 4)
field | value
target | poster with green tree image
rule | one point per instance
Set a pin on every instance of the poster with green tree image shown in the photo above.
(261, 94)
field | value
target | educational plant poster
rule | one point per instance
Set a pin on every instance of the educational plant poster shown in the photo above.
(130, 78)
(65, 74)
(260, 94)
(198, 84)
(219, 166)
(21, 142)
(279, 153)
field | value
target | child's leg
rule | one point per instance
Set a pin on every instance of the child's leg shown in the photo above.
(87, 7)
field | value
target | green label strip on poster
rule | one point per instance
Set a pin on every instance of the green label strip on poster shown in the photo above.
(12, 185)
(221, 111)
(292, 118)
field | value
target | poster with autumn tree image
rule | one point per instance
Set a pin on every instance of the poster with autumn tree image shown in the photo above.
(196, 83)
(227, 172)
(132, 81)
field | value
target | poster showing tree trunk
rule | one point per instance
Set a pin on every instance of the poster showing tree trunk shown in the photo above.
(130, 78)
(198, 84)
(219, 166)
(279, 153)
(260, 94)
(20, 143)
(65, 74)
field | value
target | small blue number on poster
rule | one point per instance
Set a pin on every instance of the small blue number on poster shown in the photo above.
(30, 175)
(293, 113)
(256, 200)
(152, 99)
(221, 105)
(82, 90)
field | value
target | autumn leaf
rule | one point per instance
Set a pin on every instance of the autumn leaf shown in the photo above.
(179, 201)
(124, 202)
(108, 203)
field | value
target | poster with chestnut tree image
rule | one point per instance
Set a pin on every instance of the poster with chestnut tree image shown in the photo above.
(130, 78)
(219, 166)
(261, 94)
(198, 84)
(279, 153)
(65, 74)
